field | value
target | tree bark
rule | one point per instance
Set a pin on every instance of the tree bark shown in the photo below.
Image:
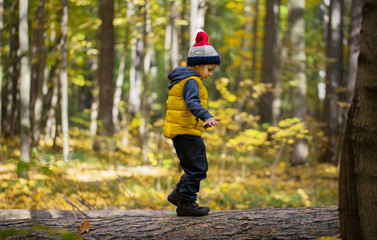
(95, 99)
(146, 60)
(122, 66)
(267, 107)
(134, 100)
(37, 73)
(106, 66)
(358, 162)
(255, 43)
(197, 17)
(334, 78)
(1, 62)
(298, 88)
(50, 132)
(24, 83)
(270, 223)
(353, 46)
(64, 80)
(11, 125)
(194, 4)
(183, 42)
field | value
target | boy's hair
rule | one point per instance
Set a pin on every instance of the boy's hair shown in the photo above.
(202, 52)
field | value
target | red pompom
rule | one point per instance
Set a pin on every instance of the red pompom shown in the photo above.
(201, 36)
(201, 39)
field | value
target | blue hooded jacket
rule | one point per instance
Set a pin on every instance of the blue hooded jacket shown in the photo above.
(190, 91)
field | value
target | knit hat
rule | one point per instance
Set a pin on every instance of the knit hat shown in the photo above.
(202, 52)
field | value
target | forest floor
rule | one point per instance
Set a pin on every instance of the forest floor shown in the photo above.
(119, 181)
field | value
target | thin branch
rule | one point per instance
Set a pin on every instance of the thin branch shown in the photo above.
(73, 205)
(128, 193)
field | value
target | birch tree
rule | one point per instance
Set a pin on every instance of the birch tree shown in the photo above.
(95, 101)
(198, 10)
(298, 88)
(24, 83)
(64, 80)
(134, 100)
(122, 65)
(146, 59)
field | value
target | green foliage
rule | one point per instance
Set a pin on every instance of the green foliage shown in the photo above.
(50, 232)
(240, 131)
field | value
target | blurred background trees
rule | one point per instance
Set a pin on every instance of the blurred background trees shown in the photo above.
(82, 75)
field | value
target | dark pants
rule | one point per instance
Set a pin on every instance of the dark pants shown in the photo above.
(191, 152)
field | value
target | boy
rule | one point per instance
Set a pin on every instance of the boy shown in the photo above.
(186, 119)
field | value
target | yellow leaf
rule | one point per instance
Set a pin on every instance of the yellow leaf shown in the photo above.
(84, 227)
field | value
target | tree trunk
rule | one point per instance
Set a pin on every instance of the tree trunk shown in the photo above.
(37, 73)
(145, 59)
(245, 43)
(106, 67)
(353, 46)
(183, 43)
(269, 223)
(334, 78)
(50, 133)
(13, 98)
(174, 37)
(1, 63)
(122, 66)
(64, 80)
(171, 57)
(197, 17)
(194, 4)
(267, 109)
(95, 99)
(255, 43)
(358, 162)
(134, 101)
(53, 90)
(24, 83)
(298, 88)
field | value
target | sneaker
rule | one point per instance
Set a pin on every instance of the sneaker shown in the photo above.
(185, 208)
(173, 196)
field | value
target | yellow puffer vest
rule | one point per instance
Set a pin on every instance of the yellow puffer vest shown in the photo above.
(179, 120)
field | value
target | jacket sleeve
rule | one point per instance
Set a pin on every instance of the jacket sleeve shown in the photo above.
(191, 96)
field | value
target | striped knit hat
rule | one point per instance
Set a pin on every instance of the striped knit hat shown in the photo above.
(202, 52)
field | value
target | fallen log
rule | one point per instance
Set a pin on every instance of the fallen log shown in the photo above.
(266, 223)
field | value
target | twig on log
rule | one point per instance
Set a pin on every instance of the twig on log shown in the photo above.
(73, 205)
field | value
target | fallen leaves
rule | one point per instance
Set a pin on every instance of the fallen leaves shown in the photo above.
(84, 227)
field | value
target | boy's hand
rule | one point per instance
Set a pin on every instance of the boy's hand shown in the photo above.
(212, 121)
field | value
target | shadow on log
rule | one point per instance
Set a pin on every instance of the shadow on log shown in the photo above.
(266, 223)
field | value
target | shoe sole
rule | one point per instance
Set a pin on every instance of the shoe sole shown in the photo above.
(184, 213)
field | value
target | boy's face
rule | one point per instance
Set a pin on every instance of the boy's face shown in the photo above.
(205, 70)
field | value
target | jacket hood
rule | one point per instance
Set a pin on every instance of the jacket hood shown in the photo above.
(179, 74)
